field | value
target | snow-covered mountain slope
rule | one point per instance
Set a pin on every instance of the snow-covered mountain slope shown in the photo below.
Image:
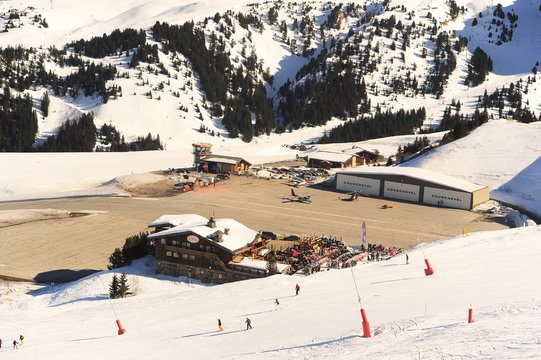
(501, 154)
(392, 44)
(413, 316)
(68, 21)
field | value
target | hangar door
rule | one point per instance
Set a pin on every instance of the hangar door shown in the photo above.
(401, 191)
(355, 183)
(447, 198)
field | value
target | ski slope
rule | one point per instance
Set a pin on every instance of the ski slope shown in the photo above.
(416, 317)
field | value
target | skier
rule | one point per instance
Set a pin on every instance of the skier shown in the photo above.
(407, 259)
(248, 324)
(276, 303)
(15, 345)
(220, 325)
(0, 343)
(21, 338)
(297, 288)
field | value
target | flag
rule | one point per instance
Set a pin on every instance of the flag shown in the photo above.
(364, 232)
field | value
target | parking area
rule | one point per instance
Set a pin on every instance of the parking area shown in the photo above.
(79, 243)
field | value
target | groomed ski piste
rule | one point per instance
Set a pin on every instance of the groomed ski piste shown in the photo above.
(412, 316)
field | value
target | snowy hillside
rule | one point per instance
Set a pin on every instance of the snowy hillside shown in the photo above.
(501, 154)
(411, 316)
(405, 53)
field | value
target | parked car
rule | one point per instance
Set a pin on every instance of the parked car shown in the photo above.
(223, 176)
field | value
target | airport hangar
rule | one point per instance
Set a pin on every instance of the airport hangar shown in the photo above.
(413, 184)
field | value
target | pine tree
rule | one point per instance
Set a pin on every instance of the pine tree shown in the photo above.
(123, 287)
(45, 104)
(114, 287)
(272, 269)
(116, 259)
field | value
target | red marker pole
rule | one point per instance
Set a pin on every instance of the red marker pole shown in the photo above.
(470, 315)
(121, 330)
(366, 324)
(429, 270)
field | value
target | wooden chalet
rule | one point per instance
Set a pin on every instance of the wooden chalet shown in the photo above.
(224, 164)
(206, 249)
(328, 160)
(369, 156)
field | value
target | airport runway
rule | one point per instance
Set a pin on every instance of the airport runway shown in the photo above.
(71, 245)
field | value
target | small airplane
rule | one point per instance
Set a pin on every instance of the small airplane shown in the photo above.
(306, 199)
(354, 195)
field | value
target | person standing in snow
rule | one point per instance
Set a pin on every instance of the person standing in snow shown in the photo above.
(407, 259)
(248, 323)
(0, 343)
(220, 325)
(21, 338)
(276, 303)
(15, 345)
(297, 288)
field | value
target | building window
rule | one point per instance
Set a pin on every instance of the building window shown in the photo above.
(175, 243)
(220, 276)
(191, 257)
(162, 241)
(169, 253)
(175, 254)
(184, 257)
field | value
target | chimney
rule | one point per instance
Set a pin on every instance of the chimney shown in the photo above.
(226, 231)
(211, 223)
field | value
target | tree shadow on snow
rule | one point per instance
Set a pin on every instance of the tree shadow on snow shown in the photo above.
(63, 275)
(88, 298)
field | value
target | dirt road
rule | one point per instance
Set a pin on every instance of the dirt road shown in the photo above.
(60, 249)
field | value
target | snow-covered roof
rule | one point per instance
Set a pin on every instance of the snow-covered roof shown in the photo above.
(416, 173)
(180, 219)
(258, 264)
(239, 235)
(356, 149)
(223, 159)
(330, 156)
